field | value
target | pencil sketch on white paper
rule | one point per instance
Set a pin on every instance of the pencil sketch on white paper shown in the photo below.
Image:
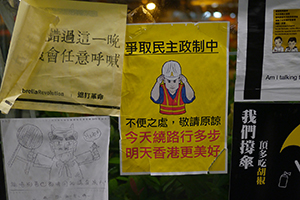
(65, 155)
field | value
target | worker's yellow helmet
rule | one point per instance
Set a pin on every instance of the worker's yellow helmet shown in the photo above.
(171, 70)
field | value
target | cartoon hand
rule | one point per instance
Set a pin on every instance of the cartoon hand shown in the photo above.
(160, 79)
(95, 152)
(183, 79)
(31, 156)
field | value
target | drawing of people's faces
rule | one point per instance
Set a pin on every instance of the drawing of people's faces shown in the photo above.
(277, 45)
(291, 45)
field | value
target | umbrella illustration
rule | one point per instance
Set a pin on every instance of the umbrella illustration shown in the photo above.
(293, 139)
(30, 137)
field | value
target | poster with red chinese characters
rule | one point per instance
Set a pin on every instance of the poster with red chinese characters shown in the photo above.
(174, 99)
(265, 161)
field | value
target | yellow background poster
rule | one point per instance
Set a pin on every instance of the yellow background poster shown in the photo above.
(66, 56)
(174, 99)
(286, 30)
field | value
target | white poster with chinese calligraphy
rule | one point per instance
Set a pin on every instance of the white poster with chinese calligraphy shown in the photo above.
(268, 55)
(174, 99)
(56, 158)
(66, 56)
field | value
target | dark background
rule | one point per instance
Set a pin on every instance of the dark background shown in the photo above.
(274, 123)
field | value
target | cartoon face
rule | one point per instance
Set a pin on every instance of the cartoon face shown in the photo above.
(292, 44)
(172, 85)
(278, 42)
(63, 142)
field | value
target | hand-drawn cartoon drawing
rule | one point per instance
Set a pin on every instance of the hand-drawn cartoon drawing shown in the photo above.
(278, 47)
(63, 143)
(172, 90)
(29, 137)
(292, 45)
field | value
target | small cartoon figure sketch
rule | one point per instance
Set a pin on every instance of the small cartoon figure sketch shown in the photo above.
(278, 47)
(292, 45)
(63, 143)
(172, 90)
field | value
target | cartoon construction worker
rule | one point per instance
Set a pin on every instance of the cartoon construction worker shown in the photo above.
(278, 47)
(292, 45)
(172, 90)
(64, 164)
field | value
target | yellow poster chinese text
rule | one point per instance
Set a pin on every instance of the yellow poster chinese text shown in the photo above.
(174, 99)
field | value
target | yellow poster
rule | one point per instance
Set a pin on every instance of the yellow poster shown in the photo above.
(66, 56)
(286, 30)
(174, 99)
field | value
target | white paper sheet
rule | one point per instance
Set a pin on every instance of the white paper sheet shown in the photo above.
(280, 75)
(56, 158)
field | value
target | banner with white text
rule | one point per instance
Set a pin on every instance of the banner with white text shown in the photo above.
(265, 151)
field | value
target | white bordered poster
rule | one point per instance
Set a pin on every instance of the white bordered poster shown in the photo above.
(56, 158)
(268, 51)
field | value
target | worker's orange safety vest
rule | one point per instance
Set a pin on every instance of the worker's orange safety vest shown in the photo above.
(171, 106)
